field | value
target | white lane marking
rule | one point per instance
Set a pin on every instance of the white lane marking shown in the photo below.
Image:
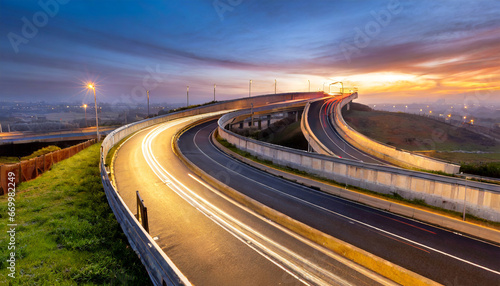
(352, 147)
(326, 133)
(360, 222)
(368, 273)
(181, 189)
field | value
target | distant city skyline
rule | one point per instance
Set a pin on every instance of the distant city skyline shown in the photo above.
(393, 51)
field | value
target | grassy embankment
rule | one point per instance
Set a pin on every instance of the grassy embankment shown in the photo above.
(39, 152)
(66, 232)
(476, 154)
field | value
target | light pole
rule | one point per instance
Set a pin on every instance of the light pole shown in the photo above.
(148, 101)
(250, 89)
(274, 86)
(214, 91)
(309, 86)
(342, 91)
(85, 108)
(96, 118)
(187, 95)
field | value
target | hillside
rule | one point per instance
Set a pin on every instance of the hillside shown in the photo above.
(423, 134)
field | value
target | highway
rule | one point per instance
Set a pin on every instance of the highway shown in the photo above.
(211, 239)
(66, 135)
(443, 256)
(319, 122)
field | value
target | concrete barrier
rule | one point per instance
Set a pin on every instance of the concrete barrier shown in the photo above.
(385, 152)
(161, 269)
(479, 199)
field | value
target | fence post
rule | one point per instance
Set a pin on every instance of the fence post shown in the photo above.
(142, 212)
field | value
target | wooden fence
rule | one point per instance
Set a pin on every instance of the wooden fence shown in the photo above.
(32, 168)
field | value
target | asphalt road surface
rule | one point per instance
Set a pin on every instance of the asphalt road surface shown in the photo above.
(441, 255)
(212, 240)
(318, 119)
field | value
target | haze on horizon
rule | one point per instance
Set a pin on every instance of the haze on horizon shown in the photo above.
(393, 51)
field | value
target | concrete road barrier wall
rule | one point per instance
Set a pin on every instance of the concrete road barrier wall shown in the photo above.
(385, 152)
(161, 269)
(479, 199)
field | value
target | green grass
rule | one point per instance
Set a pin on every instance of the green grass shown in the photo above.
(391, 197)
(9, 160)
(67, 233)
(41, 152)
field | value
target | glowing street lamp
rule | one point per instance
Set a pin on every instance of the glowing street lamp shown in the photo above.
(85, 107)
(92, 86)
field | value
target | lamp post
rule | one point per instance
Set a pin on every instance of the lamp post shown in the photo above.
(250, 89)
(309, 86)
(274, 86)
(85, 108)
(148, 101)
(214, 91)
(91, 86)
(187, 95)
(342, 91)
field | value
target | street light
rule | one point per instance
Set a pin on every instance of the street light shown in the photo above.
(187, 95)
(147, 91)
(92, 86)
(250, 89)
(274, 86)
(309, 86)
(214, 92)
(342, 91)
(85, 107)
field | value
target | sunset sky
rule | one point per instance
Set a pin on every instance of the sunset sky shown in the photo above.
(393, 51)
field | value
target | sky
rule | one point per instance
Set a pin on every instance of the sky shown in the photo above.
(391, 50)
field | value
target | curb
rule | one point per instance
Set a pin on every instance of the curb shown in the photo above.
(383, 267)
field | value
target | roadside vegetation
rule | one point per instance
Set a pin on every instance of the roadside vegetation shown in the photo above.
(39, 152)
(391, 197)
(66, 233)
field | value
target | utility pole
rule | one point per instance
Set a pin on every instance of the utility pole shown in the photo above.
(251, 112)
(250, 89)
(148, 101)
(187, 95)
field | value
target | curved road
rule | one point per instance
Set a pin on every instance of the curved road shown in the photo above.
(438, 254)
(319, 122)
(212, 240)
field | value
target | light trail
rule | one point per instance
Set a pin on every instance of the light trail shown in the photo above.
(238, 229)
